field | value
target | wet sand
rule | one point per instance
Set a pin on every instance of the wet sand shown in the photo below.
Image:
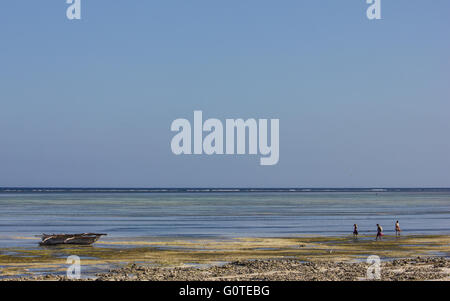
(292, 258)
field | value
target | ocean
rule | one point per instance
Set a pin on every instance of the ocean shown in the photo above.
(126, 214)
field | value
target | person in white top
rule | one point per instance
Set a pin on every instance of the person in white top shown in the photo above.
(397, 229)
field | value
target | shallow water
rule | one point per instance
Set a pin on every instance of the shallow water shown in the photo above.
(140, 216)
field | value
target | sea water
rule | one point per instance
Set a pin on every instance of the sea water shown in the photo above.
(137, 215)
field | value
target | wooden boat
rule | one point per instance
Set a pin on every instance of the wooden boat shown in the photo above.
(72, 239)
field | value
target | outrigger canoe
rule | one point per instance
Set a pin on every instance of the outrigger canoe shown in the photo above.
(72, 239)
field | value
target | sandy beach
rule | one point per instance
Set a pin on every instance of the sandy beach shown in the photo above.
(414, 257)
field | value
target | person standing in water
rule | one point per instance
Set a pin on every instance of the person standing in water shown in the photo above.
(397, 229)
(379, 232)
(355, 231)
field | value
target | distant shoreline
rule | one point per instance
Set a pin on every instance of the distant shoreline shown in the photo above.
(208, 190)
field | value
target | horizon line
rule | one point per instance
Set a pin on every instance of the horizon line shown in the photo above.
(5, 189)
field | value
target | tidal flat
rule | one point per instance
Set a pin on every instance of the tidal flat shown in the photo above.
(111, 255)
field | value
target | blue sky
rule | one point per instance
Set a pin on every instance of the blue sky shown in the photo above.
(89, 103)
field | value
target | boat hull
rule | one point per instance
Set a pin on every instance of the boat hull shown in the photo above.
(70, 239)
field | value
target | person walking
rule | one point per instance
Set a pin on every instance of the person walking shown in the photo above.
(379, 232)
(397, 229)
(355, 231)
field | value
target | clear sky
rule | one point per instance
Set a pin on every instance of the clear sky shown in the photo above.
(89, 103)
